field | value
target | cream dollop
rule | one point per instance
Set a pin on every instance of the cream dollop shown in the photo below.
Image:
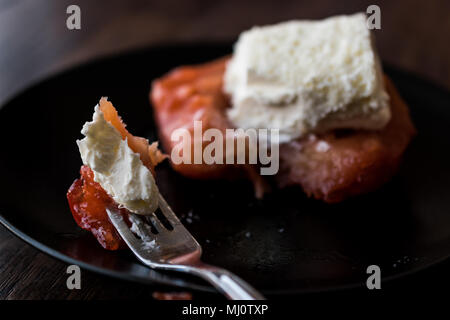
(116, 167)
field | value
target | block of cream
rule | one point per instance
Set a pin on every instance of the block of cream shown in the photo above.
(307, 77)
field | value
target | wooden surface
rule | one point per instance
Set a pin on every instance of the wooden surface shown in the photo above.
(26, 273)
(34, 43)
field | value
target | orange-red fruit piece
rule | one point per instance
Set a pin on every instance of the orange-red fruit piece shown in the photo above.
(88, 202)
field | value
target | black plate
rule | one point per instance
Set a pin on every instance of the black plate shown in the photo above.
(286, 243)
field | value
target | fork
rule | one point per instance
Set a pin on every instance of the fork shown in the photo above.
(176, 249)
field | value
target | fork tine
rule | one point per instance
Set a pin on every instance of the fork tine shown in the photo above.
(125, 232)
(168, 212)
(156, 223)
(143, 230)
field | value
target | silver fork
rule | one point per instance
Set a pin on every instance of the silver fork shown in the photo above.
(177, 250)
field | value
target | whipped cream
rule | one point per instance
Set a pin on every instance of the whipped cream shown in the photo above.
(307, 76)
(116, 167)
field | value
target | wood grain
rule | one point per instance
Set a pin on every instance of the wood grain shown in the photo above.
(35, 42)
(28, 274)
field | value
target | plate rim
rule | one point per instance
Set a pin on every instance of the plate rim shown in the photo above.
(151, 281)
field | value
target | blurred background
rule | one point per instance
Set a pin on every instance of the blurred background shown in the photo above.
(35, 42)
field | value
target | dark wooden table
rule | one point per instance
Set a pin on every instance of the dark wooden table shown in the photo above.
(35, 42)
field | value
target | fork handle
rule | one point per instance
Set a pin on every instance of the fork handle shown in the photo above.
(228, 283)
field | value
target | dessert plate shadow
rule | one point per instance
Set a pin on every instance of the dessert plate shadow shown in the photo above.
(283, 244)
